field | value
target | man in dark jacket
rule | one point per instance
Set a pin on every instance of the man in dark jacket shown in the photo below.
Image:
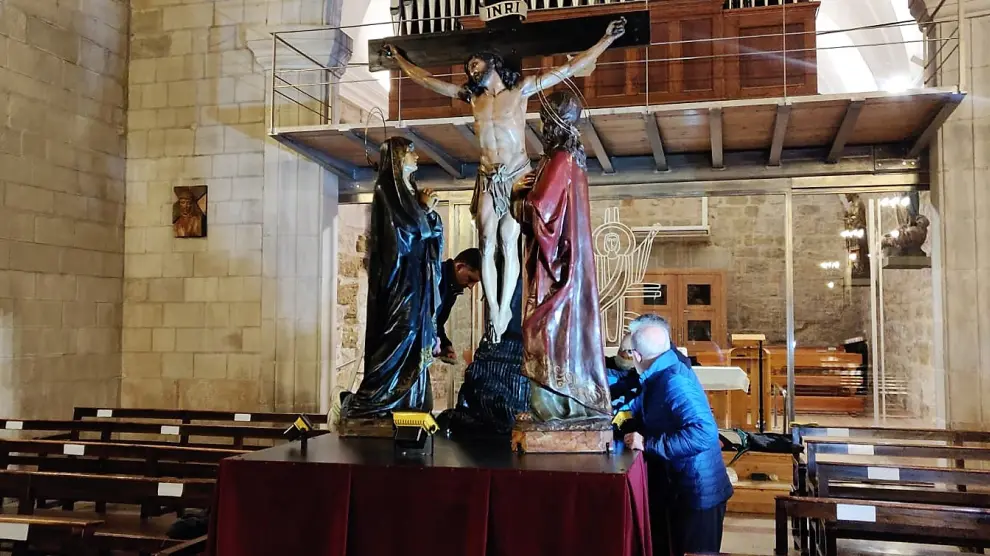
(689, 486)
(459, 274)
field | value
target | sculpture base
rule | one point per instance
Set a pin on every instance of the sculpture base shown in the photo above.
(570, 436)
(907, 262)
(365, 428)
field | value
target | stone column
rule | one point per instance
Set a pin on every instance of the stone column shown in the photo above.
(960, 161)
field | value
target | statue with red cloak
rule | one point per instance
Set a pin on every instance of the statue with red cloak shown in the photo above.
(562, 345)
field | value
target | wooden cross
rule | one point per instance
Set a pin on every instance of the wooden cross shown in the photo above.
(510, 37)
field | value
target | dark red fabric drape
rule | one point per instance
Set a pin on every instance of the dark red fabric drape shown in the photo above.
(269, 508)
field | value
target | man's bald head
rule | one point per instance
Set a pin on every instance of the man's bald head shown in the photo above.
(650, 335)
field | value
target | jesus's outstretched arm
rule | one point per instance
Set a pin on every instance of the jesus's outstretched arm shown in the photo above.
(421, 76)
(556, 75)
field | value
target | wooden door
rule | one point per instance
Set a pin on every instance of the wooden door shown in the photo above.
(659, 296)
(702, 305)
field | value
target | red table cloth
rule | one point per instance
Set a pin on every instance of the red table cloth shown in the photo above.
(352, 497)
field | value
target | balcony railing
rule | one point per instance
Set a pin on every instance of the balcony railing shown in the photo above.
(413, 17)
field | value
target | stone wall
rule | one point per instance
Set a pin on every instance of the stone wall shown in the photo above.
(747, 242)
(62, 80)
(230, 321)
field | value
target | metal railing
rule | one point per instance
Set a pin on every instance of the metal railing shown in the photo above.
(303, 88)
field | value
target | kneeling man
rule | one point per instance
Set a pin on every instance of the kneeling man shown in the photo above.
(689, 486)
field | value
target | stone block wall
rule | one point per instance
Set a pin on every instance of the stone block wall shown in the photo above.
(229, 321)
(62, 117)
(747, 241)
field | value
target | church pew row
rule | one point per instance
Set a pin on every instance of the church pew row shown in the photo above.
(188, 416)
(892, 483)
(859, 480)
(27, 487)
(883, 521)
(147, 460)
(19, 534)
(186, 548)
(235, 434)
(873, 436)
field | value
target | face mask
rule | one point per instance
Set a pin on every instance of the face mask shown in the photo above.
(624, 364)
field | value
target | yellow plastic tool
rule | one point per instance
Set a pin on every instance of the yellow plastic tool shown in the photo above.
(415, 419)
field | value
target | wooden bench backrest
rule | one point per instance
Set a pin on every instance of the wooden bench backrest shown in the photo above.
(902, 483)
(799, 432)
(147, 452)
(237, 433)
(28, 486)
(896, 521)
(22, 528)
(190, 415)
(885, 448)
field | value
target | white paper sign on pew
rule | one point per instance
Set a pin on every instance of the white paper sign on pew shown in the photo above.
(860, 449)
(855, 512)
(14, 531)
(883, 473)
(172, 490)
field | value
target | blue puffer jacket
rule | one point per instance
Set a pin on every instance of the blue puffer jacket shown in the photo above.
(681, 436)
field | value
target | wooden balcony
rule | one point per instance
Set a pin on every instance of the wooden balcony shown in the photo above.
(700, 50)
(714, 105)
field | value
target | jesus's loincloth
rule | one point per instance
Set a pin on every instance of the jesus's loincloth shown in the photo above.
(497, 181)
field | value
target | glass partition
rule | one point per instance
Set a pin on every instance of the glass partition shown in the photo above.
(863, 311)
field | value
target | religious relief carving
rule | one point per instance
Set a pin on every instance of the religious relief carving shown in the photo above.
(498, 95)
(562, 344)
(404, 270)
(189, 211)
(854, 232)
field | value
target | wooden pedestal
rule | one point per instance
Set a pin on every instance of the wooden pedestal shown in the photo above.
(366, 428)
(580, 436)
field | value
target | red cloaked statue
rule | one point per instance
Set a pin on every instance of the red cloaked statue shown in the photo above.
(562, 345)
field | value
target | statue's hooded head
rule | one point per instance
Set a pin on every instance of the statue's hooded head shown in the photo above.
(483, 68)
(396, 183)
(560, 112)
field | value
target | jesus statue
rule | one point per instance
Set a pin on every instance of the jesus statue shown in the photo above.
(498, 97)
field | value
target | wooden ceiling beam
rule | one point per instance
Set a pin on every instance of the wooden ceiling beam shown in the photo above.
(450, 164)
(715, 128)
(656, 142)
(779, 134)
(596, 143)
(846, 129)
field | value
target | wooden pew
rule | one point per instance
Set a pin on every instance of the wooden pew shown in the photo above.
(868, 436)
(894, 483)
(188, 416)
(149, 460)
(30, 486)
(884, 521)
(187, 548)
(106, 429)
(23, 533)
(868, 448)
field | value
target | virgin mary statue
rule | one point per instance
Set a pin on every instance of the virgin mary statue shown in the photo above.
(405, 246)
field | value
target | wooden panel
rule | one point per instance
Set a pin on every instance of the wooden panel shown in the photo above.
(688, 61)
(623, 135)
(748, 127)
(337, 146)
(814, 124)
(755, 67)
(892, 119)
(450, 140)
(685, 131)
(417, 101)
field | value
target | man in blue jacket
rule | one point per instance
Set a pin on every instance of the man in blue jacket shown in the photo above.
(688, 484)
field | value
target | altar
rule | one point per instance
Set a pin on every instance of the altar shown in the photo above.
(353, 497)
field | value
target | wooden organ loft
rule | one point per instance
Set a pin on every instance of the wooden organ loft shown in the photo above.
(703, 50)
(724, 100)
(726, 103)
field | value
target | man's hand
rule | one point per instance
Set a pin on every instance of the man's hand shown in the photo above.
(634, 440)
(436, 347)
(390, 51)
(429, 199)
(448, 355)
(468, 356)
(617, 28)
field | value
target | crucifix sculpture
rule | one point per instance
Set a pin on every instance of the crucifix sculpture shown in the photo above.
(498, 96)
